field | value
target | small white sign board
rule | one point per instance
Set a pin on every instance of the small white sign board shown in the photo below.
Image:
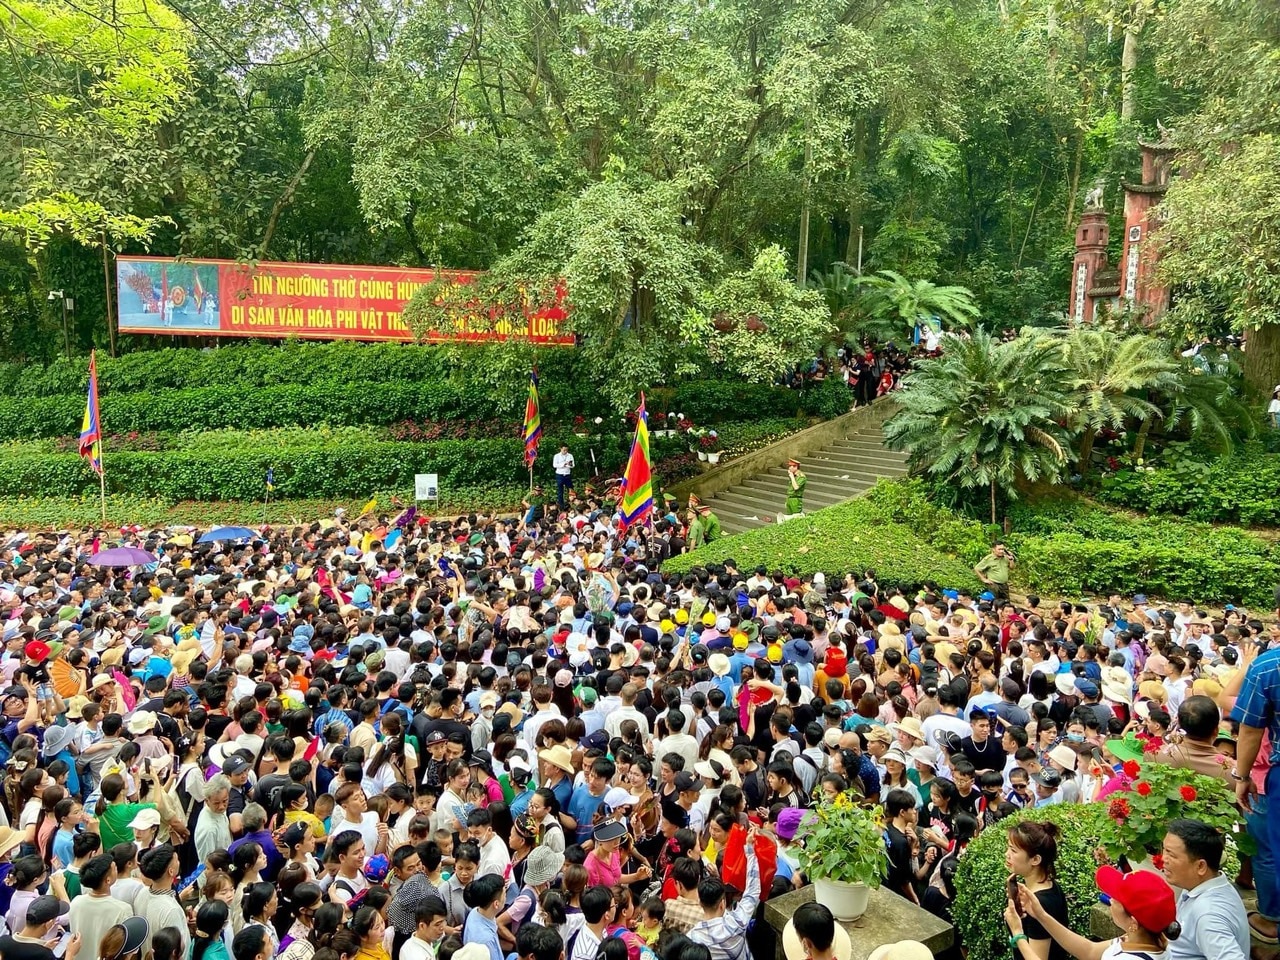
(426, 486)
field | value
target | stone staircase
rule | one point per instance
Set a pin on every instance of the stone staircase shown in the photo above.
(837, 472)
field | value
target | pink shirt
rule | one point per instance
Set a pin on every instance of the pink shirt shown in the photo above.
(603, 874)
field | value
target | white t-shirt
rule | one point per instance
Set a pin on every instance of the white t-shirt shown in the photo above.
(415, 949)
(563, 462)
(944, 723)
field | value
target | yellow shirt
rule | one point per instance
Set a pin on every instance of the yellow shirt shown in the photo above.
(378, 952)
(302, 816)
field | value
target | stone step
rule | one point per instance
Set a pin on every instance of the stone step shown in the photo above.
(832, 472)
(870, 445)
(834, 491)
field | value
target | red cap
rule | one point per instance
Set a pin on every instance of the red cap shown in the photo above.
(1144, 895)
(37, 650)
(325, 654)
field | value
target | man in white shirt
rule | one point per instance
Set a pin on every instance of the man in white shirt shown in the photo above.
(563, 463)
(946, 720)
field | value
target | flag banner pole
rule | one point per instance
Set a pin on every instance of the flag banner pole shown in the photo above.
(102, 482)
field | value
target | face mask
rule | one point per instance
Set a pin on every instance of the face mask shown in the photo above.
(1076, 737)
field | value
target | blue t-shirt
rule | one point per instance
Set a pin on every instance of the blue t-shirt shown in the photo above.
(62, 847)
(563, 791)
(582, 807)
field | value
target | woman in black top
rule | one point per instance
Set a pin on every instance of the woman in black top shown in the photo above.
(1030, 858)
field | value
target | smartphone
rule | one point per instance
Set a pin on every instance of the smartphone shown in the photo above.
(1013, 895)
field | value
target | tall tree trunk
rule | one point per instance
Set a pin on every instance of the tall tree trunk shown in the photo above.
(802, 248)
(993, 501)
(1074, 186)
(1086, 450)
(1262, 358)
(1140, 444)
(1128, 65)
(106, 287)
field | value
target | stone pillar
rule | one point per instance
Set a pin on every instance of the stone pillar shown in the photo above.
(1090, 258)
(1139, 289)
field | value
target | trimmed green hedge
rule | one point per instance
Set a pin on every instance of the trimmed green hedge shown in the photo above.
(1244, 488)
(343, 384)
(849, 537)
(338, 470)
(981, 893)
(1073, 547)
(1070, 547)
(350, 403)
(59, 513)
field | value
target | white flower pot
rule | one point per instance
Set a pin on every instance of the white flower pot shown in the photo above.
(713, 457)
(846, 901)
(702, 455)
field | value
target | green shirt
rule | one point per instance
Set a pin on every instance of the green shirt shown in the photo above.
(795, 494)
(994, 568)
(113, 825)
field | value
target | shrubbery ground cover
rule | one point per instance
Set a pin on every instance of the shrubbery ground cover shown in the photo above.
(1068, 547)
(854, 536)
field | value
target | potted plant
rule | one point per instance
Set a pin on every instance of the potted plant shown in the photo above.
(710, 442)
(843, 854)
(1137, 818)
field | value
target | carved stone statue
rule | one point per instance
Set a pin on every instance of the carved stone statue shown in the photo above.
(1093, 199)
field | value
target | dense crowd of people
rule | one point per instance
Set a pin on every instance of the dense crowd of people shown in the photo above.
(476, 738)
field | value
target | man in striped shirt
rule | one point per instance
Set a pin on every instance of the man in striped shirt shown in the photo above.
(724, 932)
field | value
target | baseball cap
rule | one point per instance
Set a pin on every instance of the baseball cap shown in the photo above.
(146, 819)
(43, 909)
(1144, 895)
(610, 830)
(234, 765)
(685, 781)
(36, 650)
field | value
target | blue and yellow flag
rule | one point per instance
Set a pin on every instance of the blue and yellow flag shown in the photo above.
(271, 479)
(637, 481)
(91, 426)
(532, 422)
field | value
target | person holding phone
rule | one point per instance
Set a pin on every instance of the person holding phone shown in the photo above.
(1031, 858)
(40, 937)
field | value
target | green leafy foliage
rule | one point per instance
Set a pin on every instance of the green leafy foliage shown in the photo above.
(1243, 488)
(981, 891)
(851, 537)
(829, 398)
(59, 513)
(348, 403)
(843, 840)
(1134, 827)
(1069, 547)
(326, 470)
(986, 413)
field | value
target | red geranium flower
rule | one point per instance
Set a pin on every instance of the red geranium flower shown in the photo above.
(1152, 746)
(1131, 769)
(1188, 793)
(1143, 788)
(1157, 861)
(1119, 808)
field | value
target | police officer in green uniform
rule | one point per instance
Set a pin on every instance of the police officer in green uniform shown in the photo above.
(711, 531)
(795, 488)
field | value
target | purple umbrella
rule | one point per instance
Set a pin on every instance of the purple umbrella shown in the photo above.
(122, 557)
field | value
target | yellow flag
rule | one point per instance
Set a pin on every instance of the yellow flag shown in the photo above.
(366, 543)
(369, 507)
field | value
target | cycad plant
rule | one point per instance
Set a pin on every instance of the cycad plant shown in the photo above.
(1110, 375)
(892, 301)
(986, 413)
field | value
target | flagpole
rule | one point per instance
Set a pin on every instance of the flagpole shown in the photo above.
(102, 477)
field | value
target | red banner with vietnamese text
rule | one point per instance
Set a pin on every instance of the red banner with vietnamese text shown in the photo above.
(307, 300)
